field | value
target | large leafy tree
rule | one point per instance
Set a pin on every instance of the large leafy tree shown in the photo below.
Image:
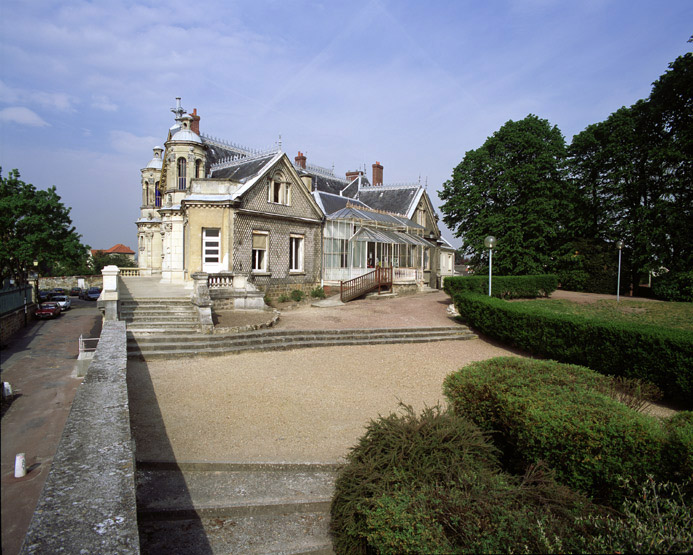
(513, 187)
(36, 226)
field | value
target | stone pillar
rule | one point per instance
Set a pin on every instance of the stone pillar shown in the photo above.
(202, 301)
(108, 301)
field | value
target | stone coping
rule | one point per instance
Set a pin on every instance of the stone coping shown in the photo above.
(272, 317)
(88, 502)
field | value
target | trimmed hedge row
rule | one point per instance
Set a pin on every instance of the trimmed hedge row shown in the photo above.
(503, 287)
(560, 414)
(661, 356)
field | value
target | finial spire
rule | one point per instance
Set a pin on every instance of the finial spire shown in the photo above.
(178, 110)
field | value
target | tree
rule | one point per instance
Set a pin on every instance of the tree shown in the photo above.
(100, 259)
(513, 187)
(35, 225)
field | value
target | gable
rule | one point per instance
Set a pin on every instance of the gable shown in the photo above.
(257, 196)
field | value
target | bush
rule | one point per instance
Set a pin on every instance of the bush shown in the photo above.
(656, 518)
(590, 265)
(297, 295)
(267, 300)
(283, 298)
(503, 287)
(432, 484)
(558, 413)
(318, 293)
(674, 286)
(679, 451)
(661, 356)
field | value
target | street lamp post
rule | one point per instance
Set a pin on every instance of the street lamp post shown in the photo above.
(619, 246)
(490, 242)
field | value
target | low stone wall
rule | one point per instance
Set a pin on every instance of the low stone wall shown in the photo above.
(14, 321)
(275, 290)
(68, 282)
(88, 502)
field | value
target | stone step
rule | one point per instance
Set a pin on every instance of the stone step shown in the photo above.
(175, 350)
(234, 508)
(182, 317)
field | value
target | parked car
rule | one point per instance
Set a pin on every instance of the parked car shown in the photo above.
(58, 291)
(63, 301)
(48, 310)
(92, 294)
(44, 295)
(75, 291)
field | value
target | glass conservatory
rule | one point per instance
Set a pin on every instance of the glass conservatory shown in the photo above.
(356, 241)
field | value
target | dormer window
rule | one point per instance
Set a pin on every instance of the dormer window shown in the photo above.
(181, 174)
(279, 190)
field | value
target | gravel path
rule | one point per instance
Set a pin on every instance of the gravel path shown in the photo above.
(307, 405)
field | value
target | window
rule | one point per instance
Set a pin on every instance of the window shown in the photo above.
(296, 253)
(198, 168)
(279, 190)
(157, 198)
(259, 252)
(181, 174)
(427, 258)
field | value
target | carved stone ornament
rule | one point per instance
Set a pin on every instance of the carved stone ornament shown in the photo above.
(191, 158)
(168, 227)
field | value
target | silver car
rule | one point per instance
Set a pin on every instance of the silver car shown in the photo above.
(63, 301)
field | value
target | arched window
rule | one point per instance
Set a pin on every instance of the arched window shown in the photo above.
(181, 174)
(157, 198)
(145, 194)
(198, 168)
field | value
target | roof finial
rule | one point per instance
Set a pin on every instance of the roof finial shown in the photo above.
(178, 110)
(280, 141)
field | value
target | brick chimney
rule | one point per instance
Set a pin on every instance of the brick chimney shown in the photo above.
(377, 174)
(301, 160)
(350, 176)
(195, 124)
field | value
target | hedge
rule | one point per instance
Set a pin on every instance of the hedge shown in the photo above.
(503, 287)
(661, 356)
(560, 414)
(433, 484)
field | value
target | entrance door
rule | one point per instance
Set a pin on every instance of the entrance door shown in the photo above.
(211, 250)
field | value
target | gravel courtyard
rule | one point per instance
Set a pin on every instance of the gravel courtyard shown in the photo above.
(307, 405)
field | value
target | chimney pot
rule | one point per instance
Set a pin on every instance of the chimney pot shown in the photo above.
(301, 160)
(195, 124)
(377, 174)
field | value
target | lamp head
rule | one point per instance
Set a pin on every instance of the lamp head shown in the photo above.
(619, 245)
(490, 242)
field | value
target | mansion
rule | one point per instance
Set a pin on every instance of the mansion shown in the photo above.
(216, 207)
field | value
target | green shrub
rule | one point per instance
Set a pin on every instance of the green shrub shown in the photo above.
(674, 286)
(297, 295)
(318, 293)
(557, 413)
(504, 287)
(267, 300)
(655, 518)
(283, 298)
(432, 484)
(679, 451)
(663, 357)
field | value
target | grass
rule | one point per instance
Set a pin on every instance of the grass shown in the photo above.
(659, 314)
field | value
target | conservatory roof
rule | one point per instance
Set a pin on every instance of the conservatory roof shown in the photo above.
(396, 237)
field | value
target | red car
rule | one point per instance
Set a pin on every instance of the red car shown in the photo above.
(48, 310)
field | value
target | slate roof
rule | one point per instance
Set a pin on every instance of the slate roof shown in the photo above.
(243, 169)
(332, 203)
(325, 183)
(398, 198)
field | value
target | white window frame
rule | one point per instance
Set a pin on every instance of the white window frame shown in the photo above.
(296, 253)
(279, 189)
(259, 264)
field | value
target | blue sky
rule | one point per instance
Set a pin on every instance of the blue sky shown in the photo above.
(86, 87)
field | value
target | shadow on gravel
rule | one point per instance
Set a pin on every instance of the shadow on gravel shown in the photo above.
(153, 451)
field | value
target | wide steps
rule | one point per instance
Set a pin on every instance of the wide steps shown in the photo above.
(165, 315)
(234, 508)
(169, 346)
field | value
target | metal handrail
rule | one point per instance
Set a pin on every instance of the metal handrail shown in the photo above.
(82, 344)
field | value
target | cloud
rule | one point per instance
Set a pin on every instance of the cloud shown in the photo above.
(22, 116)
(56, 101)
(128, 143)
(102, 102)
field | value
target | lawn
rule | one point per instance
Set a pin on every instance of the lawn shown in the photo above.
(659, 314)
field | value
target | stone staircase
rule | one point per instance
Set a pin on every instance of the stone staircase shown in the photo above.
(159, 315)
(234, 508)
(171, 344)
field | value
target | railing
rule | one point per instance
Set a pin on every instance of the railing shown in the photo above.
(12, 299)
(408, 274)
(129, 272)
(353, 288)
(85, 341)
(218, 281)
